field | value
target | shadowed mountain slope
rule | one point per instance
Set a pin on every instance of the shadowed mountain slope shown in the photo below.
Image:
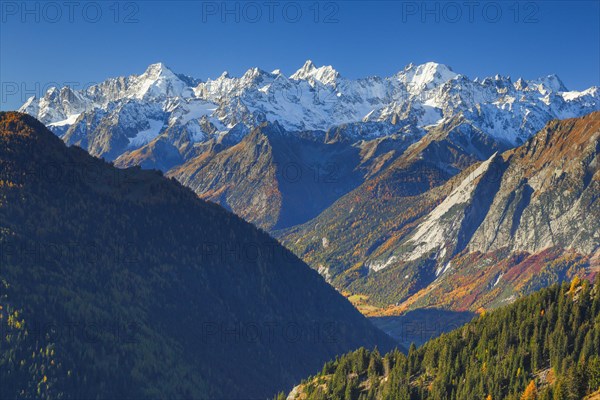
(123, 284)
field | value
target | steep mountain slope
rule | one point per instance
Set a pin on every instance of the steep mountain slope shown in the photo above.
(511, 224)
(377, 212)
(276, 179)
(545, 346)
(122, 284)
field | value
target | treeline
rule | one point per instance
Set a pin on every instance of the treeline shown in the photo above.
(544, 346)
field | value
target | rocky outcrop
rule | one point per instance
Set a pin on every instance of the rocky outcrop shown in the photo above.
(517, 221)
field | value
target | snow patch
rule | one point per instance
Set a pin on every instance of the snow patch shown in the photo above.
(146, 136)
(69, 121)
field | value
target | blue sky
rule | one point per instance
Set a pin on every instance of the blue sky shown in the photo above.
(46, 42)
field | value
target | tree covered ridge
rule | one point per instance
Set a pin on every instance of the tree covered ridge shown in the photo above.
(135, 288)
(543, 346)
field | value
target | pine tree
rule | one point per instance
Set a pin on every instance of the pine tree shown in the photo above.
(593, 373)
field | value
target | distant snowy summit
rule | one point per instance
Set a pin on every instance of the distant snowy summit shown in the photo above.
(126, 113)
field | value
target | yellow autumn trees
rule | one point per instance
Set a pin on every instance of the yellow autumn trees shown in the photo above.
(530, 392)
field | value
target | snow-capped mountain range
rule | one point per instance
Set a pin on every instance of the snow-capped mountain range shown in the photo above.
(399, 181)
(126, 113)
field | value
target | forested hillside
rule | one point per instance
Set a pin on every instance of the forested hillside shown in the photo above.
(123, 284)
(544, 346)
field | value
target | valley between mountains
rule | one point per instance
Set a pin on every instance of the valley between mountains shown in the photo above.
(426, 198)
(501, 228)
(423, 190)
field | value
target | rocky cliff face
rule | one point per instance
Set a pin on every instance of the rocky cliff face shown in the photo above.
(549, 192)
(533, 209)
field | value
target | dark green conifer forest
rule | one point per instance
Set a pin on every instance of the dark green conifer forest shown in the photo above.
(545, 346)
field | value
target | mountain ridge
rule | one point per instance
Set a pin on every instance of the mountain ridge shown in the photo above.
(507, 225)
(186, 127)
(87, 248)
(320, 98)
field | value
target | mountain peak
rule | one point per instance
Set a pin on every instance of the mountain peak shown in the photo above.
(159, 72)
(308, 66)
(437, 66)
(30, 104)
(158, 81)
(253, 73)
(552, 83)
(520, 84)
(428, 74)
(429, 66)
(157, 69)
(325, 74)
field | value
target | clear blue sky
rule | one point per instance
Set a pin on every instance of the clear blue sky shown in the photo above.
(45, 43)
